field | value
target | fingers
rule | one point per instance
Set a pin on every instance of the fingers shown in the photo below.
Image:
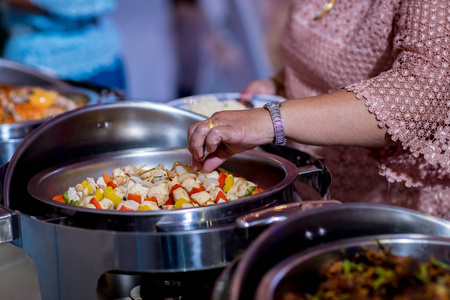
(197, 134)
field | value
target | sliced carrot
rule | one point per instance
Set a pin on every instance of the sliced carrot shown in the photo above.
(126, 208)
(106, 178)
(135, 197)
(96, 203)
(257, 191)
(153, 199)
(59, 198)
(112, 184)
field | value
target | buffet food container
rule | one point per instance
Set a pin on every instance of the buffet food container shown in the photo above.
(181, 241)
(15, 74)
(301, 231)
(302, 272)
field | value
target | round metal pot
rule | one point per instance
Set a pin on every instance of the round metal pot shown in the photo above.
(303, 230)
(11, 73)
(302, 273)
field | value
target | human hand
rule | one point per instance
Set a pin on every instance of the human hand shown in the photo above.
(227, 133)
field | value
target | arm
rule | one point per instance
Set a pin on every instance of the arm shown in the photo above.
(336, 119)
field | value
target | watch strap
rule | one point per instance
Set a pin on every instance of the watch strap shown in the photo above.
(274, 110)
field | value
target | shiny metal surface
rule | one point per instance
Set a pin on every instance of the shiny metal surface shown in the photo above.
(12, 73)
(273, 173)
(302, 272)
(91, 130)
(316, 227)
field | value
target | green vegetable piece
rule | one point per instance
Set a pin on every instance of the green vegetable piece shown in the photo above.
(66, 197)
(440, 264)
(343, 296)
(346, 266)
(249, 191)
(423, 273)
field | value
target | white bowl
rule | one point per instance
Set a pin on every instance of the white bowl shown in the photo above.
(219, 101)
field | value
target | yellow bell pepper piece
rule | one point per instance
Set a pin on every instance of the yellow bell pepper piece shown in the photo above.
(42, 98)
(228, 183)
(144, 207)
(180, 202)
(85, 184)
(99, 195)
(111, 195)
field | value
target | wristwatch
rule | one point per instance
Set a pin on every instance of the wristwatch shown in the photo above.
(274, 110)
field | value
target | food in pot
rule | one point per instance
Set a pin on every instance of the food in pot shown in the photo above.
(382, 275)
(138, 188)
(208, 105)
(19, 104)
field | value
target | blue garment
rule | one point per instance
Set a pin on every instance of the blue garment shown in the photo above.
(74, 39)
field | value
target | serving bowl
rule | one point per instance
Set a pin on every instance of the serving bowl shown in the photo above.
(301, 273)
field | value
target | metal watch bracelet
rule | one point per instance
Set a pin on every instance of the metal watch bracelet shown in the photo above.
(274, 110)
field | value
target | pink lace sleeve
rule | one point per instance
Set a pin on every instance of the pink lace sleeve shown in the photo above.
(413, 98)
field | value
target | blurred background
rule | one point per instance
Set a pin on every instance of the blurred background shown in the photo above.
(163, 49)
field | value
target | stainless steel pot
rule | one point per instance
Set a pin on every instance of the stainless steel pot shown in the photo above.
(11, 73)
(303, 230)
(302, 272)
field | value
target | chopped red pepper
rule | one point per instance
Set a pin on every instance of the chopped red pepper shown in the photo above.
(220, 195)
(221, 179)
(196, 190)
(135, 197)
(96, 203)
(153, 199)
(176, 186)
(169, 202)
(112, 184)
(59, 198)
(126, 208)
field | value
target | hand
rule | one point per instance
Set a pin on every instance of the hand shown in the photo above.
(227, 133)
(263, 86)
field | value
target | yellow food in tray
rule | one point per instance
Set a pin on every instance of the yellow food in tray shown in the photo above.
(20, 104)
(136, 188)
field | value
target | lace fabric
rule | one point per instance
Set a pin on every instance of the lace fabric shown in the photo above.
(394, 55)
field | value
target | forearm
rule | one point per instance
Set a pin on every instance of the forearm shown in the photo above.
(336, 119)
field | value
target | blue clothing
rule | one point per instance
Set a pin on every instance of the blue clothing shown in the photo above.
(74, 39)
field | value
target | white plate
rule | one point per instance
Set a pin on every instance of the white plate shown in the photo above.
(187, 102)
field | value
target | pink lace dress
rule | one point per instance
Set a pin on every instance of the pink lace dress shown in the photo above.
(395, 56)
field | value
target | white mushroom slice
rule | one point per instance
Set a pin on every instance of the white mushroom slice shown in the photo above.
(130, 204)
(151, 204)
(72, 193)
(139, 189)
(107, 204)
(201, 197)
(180, 193)
(189, 183)
(101, 182)
(136, 179)
(118, 172)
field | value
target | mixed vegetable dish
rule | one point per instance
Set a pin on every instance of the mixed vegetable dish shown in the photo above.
(139, 188)
(20, 104)
(382, 275)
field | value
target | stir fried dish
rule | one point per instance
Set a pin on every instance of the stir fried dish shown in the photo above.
(20, 104)
(381, 275)
(139, 188)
